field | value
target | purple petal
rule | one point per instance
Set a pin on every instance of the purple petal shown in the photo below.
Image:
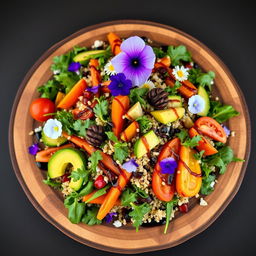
(138, 76)
(109, 216)
(133, 45)
(33, 149)
(168, 165)
(120, 62)
(120, 85)
(74, 66)
(226, 130)
(130, 166)
(148, 57)
(93, 89)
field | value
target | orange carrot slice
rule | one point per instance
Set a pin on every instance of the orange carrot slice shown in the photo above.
(130, 131)
(98, 200)
(115, 42)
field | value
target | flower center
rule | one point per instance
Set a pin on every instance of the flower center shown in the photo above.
(56, 128)
(120, 85)
(111, 68)
(180, 73)
(135, 62)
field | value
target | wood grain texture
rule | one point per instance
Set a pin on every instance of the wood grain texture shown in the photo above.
(105, 237)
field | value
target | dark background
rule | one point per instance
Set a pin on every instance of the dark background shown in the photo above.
(30, 28)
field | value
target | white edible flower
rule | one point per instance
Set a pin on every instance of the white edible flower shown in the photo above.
(148, 84)
(109, 69)
(117, 223)
(53, 128)
(180, 73)
(203, 202)
(196, 104)
(97, 43)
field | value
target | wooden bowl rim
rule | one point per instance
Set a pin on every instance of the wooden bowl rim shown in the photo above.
(38, 206)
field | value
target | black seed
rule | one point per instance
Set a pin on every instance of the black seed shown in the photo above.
(42, 165)
(164, 48)
(153, 160)
(170, 179)
(154, 223)
(196, 65)
(38, 136)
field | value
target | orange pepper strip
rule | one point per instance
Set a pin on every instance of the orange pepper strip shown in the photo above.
(98, 200)
(45, 155)
(113, 194)
(130, 131)
(71, 98)
(115, 42)
(106, 159)
(104, 86)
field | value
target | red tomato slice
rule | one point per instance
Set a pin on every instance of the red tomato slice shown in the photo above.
(211, 128)
(203, 144)
(165, 192)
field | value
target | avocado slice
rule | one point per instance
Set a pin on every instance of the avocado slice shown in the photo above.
(84, 56)
(174, 101)
(203, 93)
(145, 143)
(53, 142)
(61, 159)
(134, 112)
(168, 115)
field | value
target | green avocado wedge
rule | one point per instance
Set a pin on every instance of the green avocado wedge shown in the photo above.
(53, 142)
(85, 56)
(61, 159)
(202, 92)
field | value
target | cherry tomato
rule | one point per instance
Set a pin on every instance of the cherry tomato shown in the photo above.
(211, 128)
(100, 182)
(40, 107)
(165, 191)
(203, 144)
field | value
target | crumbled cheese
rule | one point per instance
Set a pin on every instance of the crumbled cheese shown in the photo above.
(212, 184)
(31, 133)
(197, 195)
(38, 129)
(117, 223)
(217, 98)
(97, 43)
(203, 202)
(233, 133)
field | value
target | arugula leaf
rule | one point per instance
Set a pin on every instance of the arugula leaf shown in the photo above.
(81, 126)
(75, 209)
(128, 197)
(138, 213)
(192, 142)
(182, 135)
(120, 148)
(159, 52)
(49, 89)
(90, 217)
(101, 110)
(95, 158)
(140, 192)
(137, 95)
(67, 121)
(78, 174)
(206, 187)
(194, 73)
(178, 53)
(173, 90)
(67, 79)
(169, 209)
(52, 183)
(144, 123)
(205, 79)
(87, 189)
(98, 193)
(221, 113)
(199, 155)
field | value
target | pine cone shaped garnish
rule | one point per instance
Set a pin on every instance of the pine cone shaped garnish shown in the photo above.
(158, 98)
(95, 135)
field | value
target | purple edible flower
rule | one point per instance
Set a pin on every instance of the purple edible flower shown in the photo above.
(93, 89)
(130, 166)
(136, 60)
(74, 66)
(33, 149)
(120, 85)
(168, 165)
(109, 216)
(226, 130)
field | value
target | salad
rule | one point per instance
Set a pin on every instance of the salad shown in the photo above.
(130, 132)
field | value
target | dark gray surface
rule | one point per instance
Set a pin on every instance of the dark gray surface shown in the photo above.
(29, 29)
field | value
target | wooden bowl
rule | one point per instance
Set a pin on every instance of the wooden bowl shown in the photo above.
(106, 237)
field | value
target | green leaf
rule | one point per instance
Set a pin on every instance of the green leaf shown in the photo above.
(178, 53)
(199, 155)
(173, 90)
(75, 210)
(138, 213)
(95, 158)
(128, 197)
(49, 89)
(221, 113)
(159, 52)
(98, 193)
(67, 79)
(78, 174)
(112, 137)
(206, 187)
(52, 183)
(87, 189)
(81, 126)
(90, 217)
(194, 73)
(144, 123)
(67, 121)
(101, 110)
(182, 135)
(140, 192)
(169, 209)
(192, 142)
(205, 79)
(138, 95)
